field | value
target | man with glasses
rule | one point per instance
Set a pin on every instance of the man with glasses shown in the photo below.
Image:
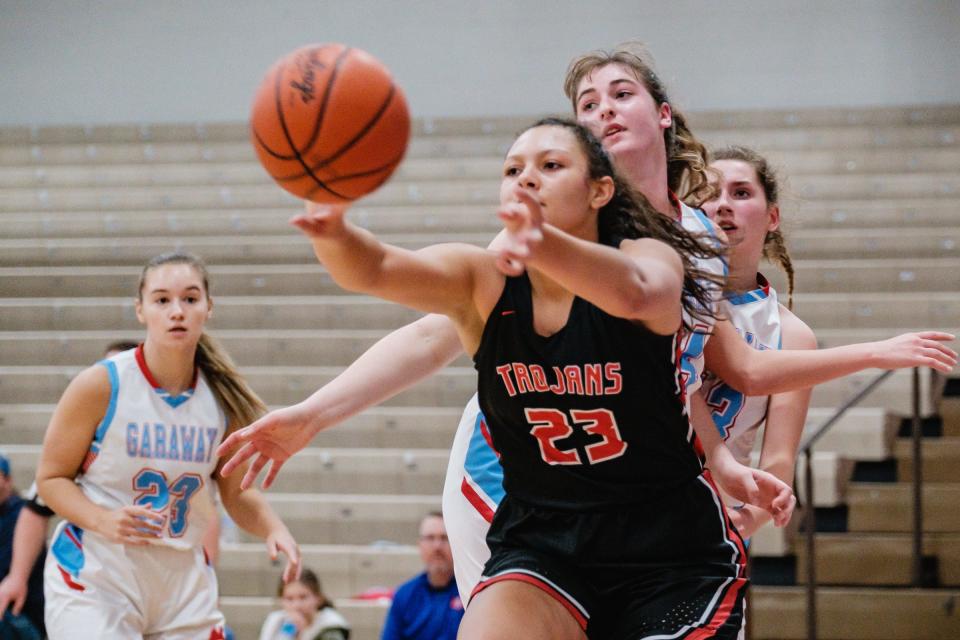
(427, 607)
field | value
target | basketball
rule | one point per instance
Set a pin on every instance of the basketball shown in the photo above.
(329, 124)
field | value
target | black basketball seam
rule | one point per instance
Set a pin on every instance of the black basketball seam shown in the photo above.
(363, 131)
(260, 140)
(360, 173)
(386, 167)
(350, 176)
(286, 133)
(326, 99)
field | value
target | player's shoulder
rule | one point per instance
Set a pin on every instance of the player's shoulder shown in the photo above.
(93, 379)
(794, 332)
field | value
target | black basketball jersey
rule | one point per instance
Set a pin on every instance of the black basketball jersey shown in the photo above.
(588, 418)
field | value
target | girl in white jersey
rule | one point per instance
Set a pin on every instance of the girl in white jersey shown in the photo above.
(746, 208)
(619, 97)
(128, 460)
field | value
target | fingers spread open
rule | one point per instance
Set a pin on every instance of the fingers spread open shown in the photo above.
(250, 477)
(272, 474)
(246, 452)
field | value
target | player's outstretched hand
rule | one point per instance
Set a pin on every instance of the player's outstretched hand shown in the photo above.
(523, 223)
(280, 541)
(273, 438)
(131, 525)
(920, 349)
(320, 220)
(13, 593)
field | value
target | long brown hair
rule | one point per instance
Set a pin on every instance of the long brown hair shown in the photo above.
(629, 215)
(310, 580)
(687, 171)
(239, 402)
(774, 247)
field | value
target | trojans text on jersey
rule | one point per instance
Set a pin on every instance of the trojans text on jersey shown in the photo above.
(574, 379)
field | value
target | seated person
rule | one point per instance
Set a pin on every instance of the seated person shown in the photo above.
(427, 607)
(307, 614)
(21, 587)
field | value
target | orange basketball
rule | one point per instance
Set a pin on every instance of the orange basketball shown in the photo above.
(329, 124)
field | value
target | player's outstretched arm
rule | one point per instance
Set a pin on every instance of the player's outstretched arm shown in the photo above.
(436, 279)
(750, 486)
(760, 373)
(250, 510)
(395, 363)
(786, 416)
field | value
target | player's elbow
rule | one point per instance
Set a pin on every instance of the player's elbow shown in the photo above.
(744, 379)
(650, 296)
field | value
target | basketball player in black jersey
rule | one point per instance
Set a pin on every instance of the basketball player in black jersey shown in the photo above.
(610, 527)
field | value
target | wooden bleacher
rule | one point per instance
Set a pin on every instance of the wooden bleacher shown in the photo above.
(870, 209)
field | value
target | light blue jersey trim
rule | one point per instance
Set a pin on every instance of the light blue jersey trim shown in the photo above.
(111, 368)
(67, 548)
(482, 465)
(175, 401)
(747, 297)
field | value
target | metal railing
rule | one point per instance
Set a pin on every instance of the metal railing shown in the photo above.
(809, 518)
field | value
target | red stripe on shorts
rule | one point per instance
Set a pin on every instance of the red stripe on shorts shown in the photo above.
(474, 498)
(729, 529)
(70, 583)
(485, 431)
(722, 613)
(540, 584)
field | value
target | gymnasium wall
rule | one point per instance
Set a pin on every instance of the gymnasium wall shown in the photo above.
(97, 61)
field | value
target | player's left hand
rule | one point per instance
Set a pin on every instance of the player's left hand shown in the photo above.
(280, 540)
(757, 487)
(775, 496)
(745, 520)
(523, 223)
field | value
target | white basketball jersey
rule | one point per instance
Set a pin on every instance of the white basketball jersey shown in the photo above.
(472, 492)
(155, 450)
(693, 342)
(756, 317)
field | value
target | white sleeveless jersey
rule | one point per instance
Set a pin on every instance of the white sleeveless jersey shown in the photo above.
(155, 450)
(693, 342)
(756, 317)
(472, 491)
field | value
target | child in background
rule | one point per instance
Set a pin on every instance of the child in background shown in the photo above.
(307, 614)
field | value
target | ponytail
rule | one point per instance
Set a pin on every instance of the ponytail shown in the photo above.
(775, 250)
(687, 172)
(239, 402)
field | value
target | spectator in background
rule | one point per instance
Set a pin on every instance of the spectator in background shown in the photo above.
(119, 346)
(428, 607)
(307, 614)
(22, 585)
